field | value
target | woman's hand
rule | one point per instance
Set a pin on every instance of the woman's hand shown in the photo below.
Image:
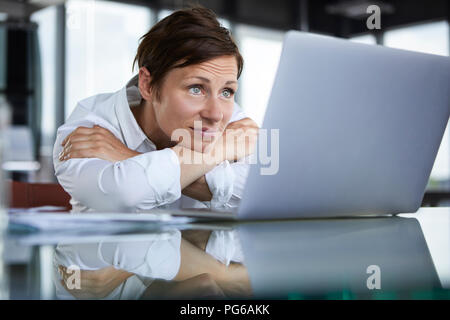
(237, 141)
(96, 142)
(94, 284)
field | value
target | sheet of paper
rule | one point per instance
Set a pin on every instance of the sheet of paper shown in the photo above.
(74, 221)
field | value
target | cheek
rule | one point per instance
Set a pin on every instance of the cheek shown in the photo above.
(228, 111)
(176, 113)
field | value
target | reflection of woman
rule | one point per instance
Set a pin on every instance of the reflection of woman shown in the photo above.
(116, 151)
(164, 266)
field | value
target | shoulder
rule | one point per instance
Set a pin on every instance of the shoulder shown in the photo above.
(101, 105)
(98, 109)
(95, 110)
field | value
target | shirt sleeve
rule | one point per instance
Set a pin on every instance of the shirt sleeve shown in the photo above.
(227, 180)
(226, 183)
(224, 246)
(142, 182)
(157, 257)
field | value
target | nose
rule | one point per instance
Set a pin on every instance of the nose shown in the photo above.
(212, 111)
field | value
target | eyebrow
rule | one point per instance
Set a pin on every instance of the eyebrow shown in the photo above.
(208, 81)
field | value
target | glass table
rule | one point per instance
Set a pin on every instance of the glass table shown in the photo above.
(397, 257)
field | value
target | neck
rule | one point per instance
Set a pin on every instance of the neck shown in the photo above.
(145, 117)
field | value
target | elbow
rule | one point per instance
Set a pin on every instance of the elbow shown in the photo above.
(130, 189)
(121, 186)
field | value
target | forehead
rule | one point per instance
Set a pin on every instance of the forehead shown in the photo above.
(220, 68)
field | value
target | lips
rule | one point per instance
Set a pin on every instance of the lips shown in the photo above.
(205, 132)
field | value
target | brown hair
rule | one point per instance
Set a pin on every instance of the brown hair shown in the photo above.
(186, 37)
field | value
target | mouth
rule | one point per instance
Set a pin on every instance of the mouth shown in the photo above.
(205, 132)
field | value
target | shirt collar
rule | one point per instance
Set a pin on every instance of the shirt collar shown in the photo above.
(132, 133)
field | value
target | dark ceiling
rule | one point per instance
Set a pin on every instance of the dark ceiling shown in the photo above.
(322, 16)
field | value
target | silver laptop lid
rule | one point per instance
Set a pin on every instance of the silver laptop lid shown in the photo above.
(359, 129)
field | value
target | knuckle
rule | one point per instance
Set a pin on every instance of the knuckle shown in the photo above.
(98, 136)
(101, 149)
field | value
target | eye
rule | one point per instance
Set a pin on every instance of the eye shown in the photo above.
(227, 93)
(195, 90)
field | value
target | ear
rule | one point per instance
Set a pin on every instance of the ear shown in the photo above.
(144, 84)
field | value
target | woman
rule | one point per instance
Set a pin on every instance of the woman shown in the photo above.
(173, 129)
(123, 151)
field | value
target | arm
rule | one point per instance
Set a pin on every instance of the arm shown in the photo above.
(98, 142)
(90, 175)
(193, 263)
(198, 190)
(206, 187)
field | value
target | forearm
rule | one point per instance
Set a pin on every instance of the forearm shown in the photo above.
(105, 186)
(195, 261)
(193, 165)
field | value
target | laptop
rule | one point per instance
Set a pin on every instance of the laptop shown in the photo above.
(359, 129)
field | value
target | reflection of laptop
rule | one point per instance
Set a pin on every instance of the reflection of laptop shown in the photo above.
(384, 257)
(359, 129)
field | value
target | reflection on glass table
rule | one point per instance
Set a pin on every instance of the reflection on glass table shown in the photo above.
(173, 265)
(364, 258)
(403, 257)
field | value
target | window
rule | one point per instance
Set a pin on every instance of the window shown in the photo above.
(261, 50)
(3, 52)
(46, 20)
(429, 38)
(101, 42)
(164, 13)
(367, 39)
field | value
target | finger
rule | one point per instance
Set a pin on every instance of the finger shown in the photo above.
(105, 134)
(79, 130)
(88, 279)
(83, 153)
(87, 144)
(86, 285)
(85, 137)
(102, 130)
(74, 146)
(67, 138)
(91, 135)
(79, 294)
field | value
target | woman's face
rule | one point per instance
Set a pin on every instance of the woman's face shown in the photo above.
(197, 100)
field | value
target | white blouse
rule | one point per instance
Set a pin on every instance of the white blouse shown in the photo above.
(143, 182)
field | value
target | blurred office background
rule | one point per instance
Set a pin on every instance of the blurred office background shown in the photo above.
(54, 53)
